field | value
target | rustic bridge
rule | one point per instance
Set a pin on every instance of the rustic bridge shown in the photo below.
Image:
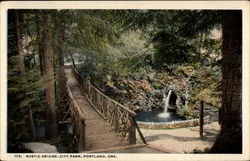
(100, 123)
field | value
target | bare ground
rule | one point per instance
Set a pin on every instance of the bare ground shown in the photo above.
(183, 139)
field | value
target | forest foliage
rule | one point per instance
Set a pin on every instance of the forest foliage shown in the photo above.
(144, 49)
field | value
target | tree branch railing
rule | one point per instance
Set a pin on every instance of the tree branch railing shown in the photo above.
(78, 120)
(120, 117)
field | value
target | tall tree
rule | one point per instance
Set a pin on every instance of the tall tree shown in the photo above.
(230, 138)
(51, 128)
(19, 42)
(39, 41)
(22, 65)
(60, 25)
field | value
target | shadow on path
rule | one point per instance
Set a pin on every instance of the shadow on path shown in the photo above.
(207, 136)
(207, 132)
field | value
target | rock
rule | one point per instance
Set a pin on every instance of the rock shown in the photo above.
(151, 75)
(38, 147)
(179, 103)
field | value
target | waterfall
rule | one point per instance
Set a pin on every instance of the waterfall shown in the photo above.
(166, 101)
(166, 104)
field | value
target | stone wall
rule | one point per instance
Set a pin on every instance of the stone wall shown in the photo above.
(171, 125)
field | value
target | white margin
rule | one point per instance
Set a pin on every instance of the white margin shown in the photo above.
(243, 5)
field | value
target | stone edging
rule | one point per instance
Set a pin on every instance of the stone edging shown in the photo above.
(171, 125)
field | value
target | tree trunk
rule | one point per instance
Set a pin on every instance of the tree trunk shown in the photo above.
(61, 34)
(22, 68)
(50, 129)
(72, 59)
(19, 43)
(230, 137)
(40, 46)
(32, 126)
(60, 39)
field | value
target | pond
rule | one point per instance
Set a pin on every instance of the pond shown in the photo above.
(156, 115)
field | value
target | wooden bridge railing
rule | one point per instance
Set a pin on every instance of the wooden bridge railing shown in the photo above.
(78, 120)
(120, 117)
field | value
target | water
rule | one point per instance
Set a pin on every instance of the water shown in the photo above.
(157, 114)
(153, 116)
(164, 114)
(166, 105)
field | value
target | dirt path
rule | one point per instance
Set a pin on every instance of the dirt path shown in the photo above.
(183, 139)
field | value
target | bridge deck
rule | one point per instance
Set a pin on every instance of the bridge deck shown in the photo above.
(98, 132)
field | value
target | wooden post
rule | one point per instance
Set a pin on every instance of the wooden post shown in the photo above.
(81, 142)
(84, 85)
(108, 109)
(201, 118)
(116, 121)
(105, 104)
(132, 134)
(139, 131)
(90, 93)
(220, 116)
(88, 87)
